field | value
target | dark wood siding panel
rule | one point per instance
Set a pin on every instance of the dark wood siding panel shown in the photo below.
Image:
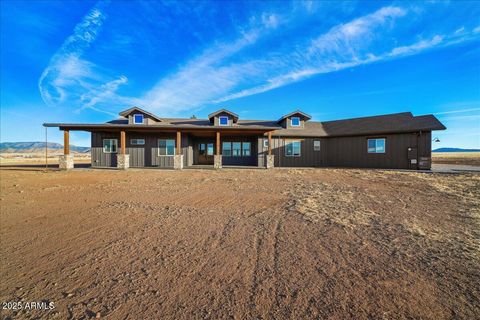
(352, 151)
(261, 158)
(99, 158)
(308, 158)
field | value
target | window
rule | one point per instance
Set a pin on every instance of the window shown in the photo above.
(201, 148)
(138, 118)
(293, 148)
(295, 121)
(110, 145)
(316, 145)
(265, 143)
(227, 149)
(246, 149)
(166, 147)
(236, 149)
(223, 121)
(376, 145)
(209, 149)
(137, 142)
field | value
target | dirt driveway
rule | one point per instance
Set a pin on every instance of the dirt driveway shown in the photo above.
(241, 244)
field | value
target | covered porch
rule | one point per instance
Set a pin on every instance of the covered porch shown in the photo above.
(123, 148)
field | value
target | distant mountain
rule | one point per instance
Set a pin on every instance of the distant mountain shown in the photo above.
(455, 150)
(33, 147)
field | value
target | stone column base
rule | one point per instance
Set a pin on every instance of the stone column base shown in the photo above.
(123, 161)
(270, 161)
(217, 161)
(178, 162)
(65, 162)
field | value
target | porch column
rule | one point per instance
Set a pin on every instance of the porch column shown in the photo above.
(217, 158)
(123, 159)
(178, 158)
(65, 162)
(270, 157)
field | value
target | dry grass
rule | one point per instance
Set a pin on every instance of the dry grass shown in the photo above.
(462, 158)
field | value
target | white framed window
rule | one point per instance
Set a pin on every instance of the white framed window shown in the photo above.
(236, 149)
(376, 145)
(210, 149)
(246, 149)
(295, 121)
(265, 143)
(293, 148)
(138, 118)
(110, 145)
(166, 147)
(226, 149)
(137, 142)
(316, 145)
(223, 121)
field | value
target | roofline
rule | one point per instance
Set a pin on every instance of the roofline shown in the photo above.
(168, 127)
(295, 112)
(233, 114)
(128, 111)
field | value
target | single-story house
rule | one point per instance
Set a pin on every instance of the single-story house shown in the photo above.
(142, 139)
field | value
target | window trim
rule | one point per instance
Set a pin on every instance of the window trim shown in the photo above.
(138, 114)
(265, 143)
(319, 145)
(116, 146)
(166, 148)
(377, 152)
(295, 125)
(230, 149)
(292, 141)
(220, 120)
(136, 142)
(249, 149)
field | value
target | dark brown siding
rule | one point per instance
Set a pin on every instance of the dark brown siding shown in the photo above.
(241, 161)
(308, 157)
(140, 156)
(352, 151)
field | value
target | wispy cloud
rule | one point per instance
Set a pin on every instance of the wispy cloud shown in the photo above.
(458, 111)
(69, 77)
(206, 80)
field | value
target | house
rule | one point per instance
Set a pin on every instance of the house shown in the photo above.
(142, 139)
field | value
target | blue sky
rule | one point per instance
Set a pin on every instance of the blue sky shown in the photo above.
(68, 61)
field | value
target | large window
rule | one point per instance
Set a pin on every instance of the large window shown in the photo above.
(236, 149)
(223, 121)
(138, 118)
(209, 149)
(137, 142)
(316, 145)
(293, 148)
(110, 145)
(227, 149)
(295, 121)
(246, 149)
(376, 145)
(166, 147)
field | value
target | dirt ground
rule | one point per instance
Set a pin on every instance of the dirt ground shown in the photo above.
(241, 244)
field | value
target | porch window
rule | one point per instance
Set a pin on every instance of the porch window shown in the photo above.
(236, 149)
(376, 145)
(110, 145)
(293, 148)
(166, 147)
(209, 149)
(137, 142)
(138, 118)
(223, 121)
(201, 149)
(265, 143)
(227, 149)
(246, 149)
(295, 121)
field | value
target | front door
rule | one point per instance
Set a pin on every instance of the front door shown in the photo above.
(205, 152)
